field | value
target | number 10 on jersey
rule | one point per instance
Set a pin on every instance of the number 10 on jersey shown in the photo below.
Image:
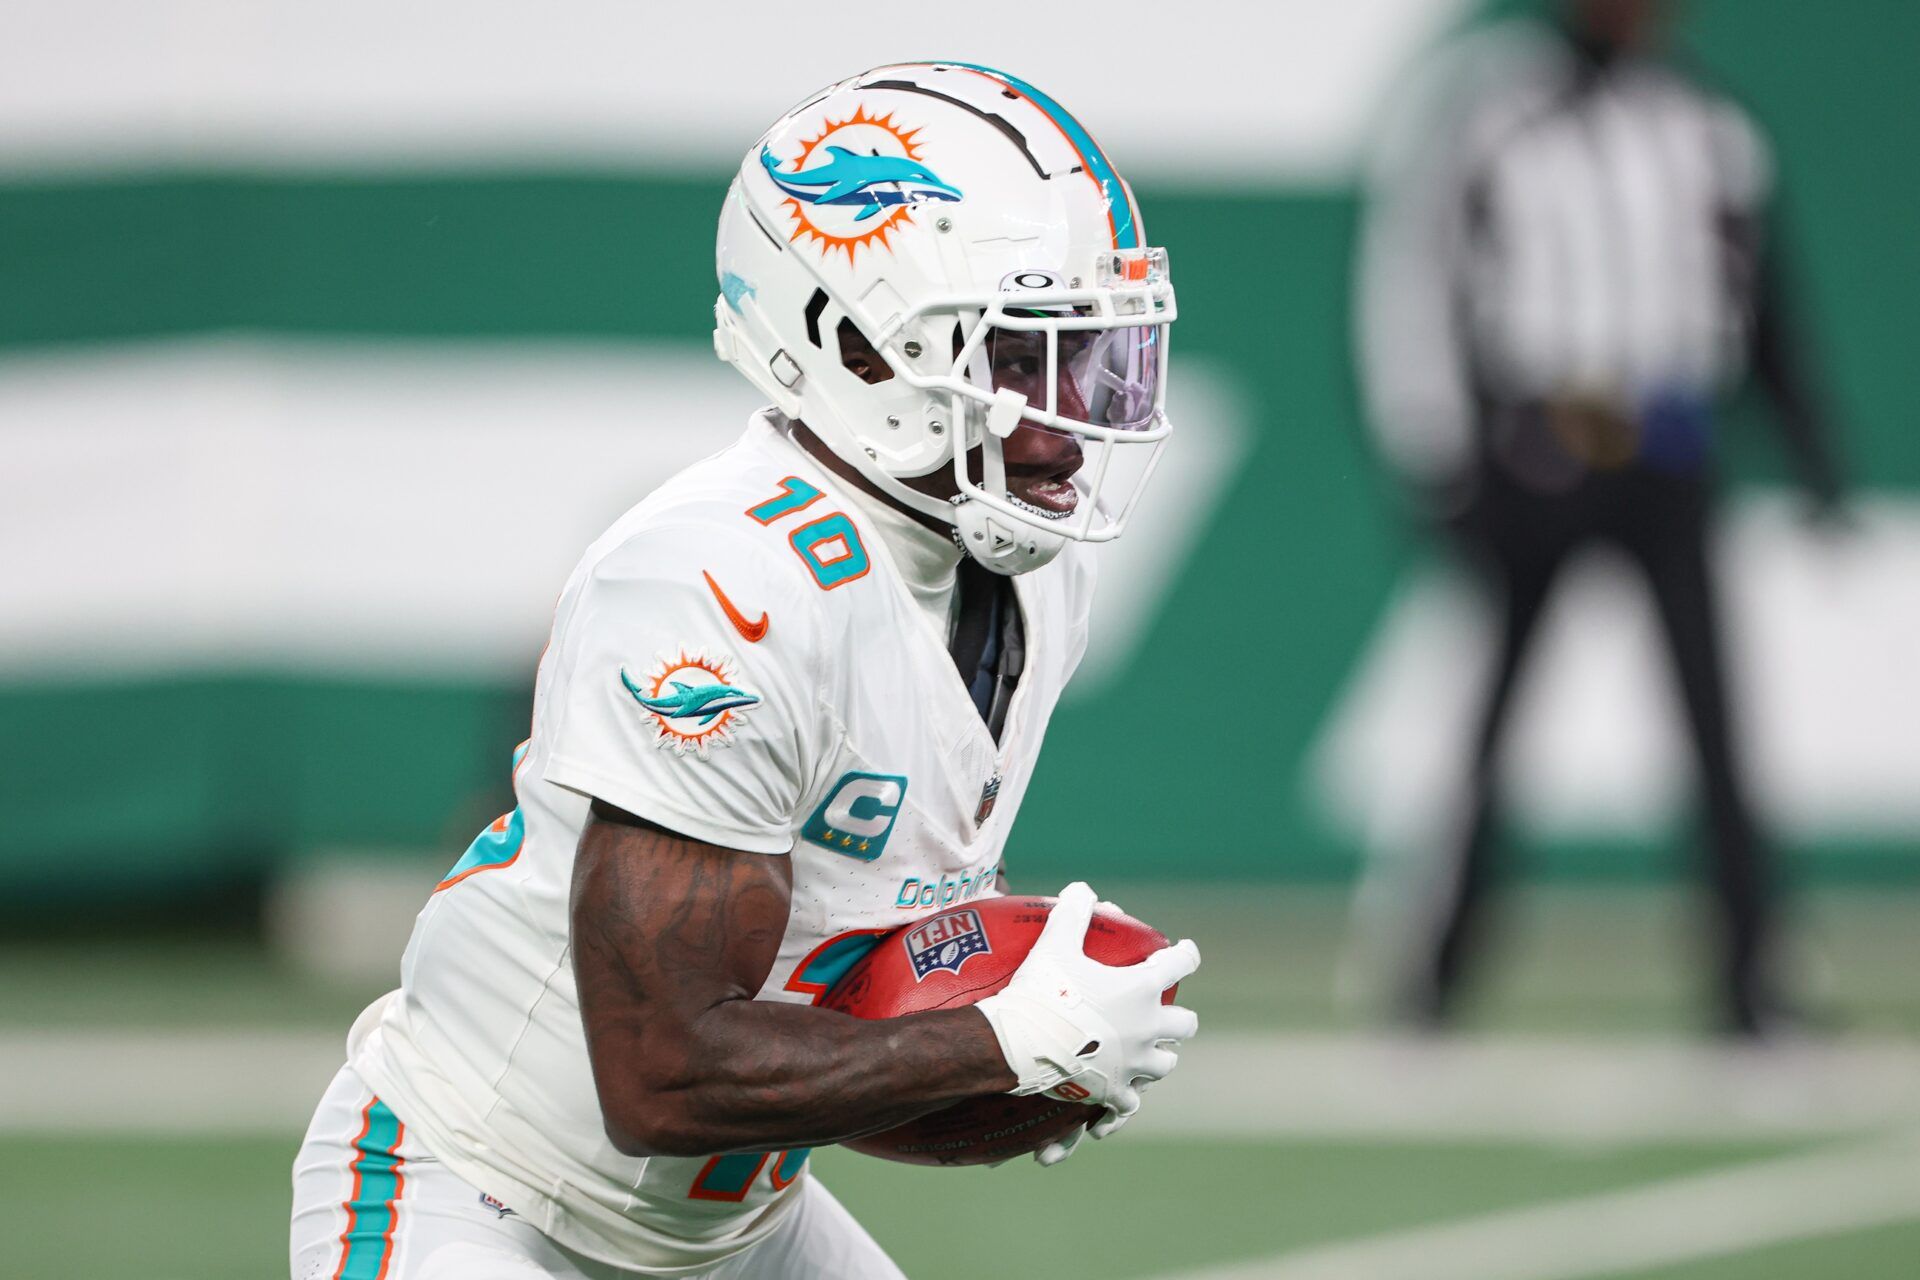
(829, 546)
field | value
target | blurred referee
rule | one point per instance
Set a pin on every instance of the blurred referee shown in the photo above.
(1566, 260)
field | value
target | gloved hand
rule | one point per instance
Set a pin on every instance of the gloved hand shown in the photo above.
(1059, 1149)
(1104, 1125)
(1064, 1018)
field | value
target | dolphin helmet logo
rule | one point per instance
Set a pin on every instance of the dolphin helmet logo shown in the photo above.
(855, 182)
(693, 700)
(871, 183)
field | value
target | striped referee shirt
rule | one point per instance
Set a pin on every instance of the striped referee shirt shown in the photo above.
(1543, 226)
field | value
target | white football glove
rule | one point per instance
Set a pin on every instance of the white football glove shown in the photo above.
(1104, 1125)
(1066, 1019)
(1060, 1148)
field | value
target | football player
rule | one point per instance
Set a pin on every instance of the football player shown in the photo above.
(791, 702)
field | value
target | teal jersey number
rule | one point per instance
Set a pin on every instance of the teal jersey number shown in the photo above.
(795, 494)
(830, 547)
(499, 844)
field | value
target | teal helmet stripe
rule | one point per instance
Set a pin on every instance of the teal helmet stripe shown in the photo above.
(1119, 206)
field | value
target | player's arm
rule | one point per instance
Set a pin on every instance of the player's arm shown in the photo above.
(671, 939)
(675, 927)
(1779, 354)
(1784, 367)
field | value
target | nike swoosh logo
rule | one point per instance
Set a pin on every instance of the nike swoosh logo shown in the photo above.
(751, 632)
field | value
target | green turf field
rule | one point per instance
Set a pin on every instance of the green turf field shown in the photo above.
(1290, 1196)
(184, 1210)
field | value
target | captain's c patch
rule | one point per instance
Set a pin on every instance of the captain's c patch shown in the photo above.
(857, 815)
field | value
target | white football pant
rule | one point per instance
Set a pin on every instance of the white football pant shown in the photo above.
(370, 1204)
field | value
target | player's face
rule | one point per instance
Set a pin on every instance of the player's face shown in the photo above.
(1040, 468)
(1018, 359)
(1040, 463)
(1103, 377)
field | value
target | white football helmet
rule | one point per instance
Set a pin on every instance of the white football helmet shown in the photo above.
(977, 238)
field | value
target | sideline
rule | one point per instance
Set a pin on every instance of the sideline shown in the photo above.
(1585, 1090)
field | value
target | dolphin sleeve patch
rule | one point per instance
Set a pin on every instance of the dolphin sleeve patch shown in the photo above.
(694, 700)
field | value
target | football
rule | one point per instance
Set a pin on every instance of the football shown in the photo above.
(957, 957)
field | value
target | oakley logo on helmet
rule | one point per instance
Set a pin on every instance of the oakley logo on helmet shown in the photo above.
(1031, 279)
(852, 172)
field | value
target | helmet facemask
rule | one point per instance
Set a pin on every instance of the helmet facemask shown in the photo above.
(1087, 364)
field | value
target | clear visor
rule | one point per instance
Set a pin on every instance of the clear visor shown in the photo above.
(1057, 389)
(1103, 377)
(1092, 390)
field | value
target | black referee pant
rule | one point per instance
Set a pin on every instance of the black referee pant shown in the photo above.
(1519, 539)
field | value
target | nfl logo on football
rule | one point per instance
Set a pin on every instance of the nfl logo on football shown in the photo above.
(946, 942)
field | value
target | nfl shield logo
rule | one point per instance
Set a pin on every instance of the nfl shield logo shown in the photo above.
(946, 942)
(988, 795)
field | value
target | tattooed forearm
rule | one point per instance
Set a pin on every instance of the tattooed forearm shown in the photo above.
(671, 939)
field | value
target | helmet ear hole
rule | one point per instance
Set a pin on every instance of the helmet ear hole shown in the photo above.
(858, 356)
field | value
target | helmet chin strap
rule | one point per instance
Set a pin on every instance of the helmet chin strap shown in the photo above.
(1004, 546)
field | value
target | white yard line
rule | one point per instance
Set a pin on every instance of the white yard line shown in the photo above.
(1572, 1089)
(188, 1083)
(1657, 1224)
(1230, 1087)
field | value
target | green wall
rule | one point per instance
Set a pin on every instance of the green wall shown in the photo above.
(168, 780)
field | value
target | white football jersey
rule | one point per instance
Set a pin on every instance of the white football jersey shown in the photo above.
(737, 659)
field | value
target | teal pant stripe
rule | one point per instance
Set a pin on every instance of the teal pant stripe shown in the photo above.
(372, 1211)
